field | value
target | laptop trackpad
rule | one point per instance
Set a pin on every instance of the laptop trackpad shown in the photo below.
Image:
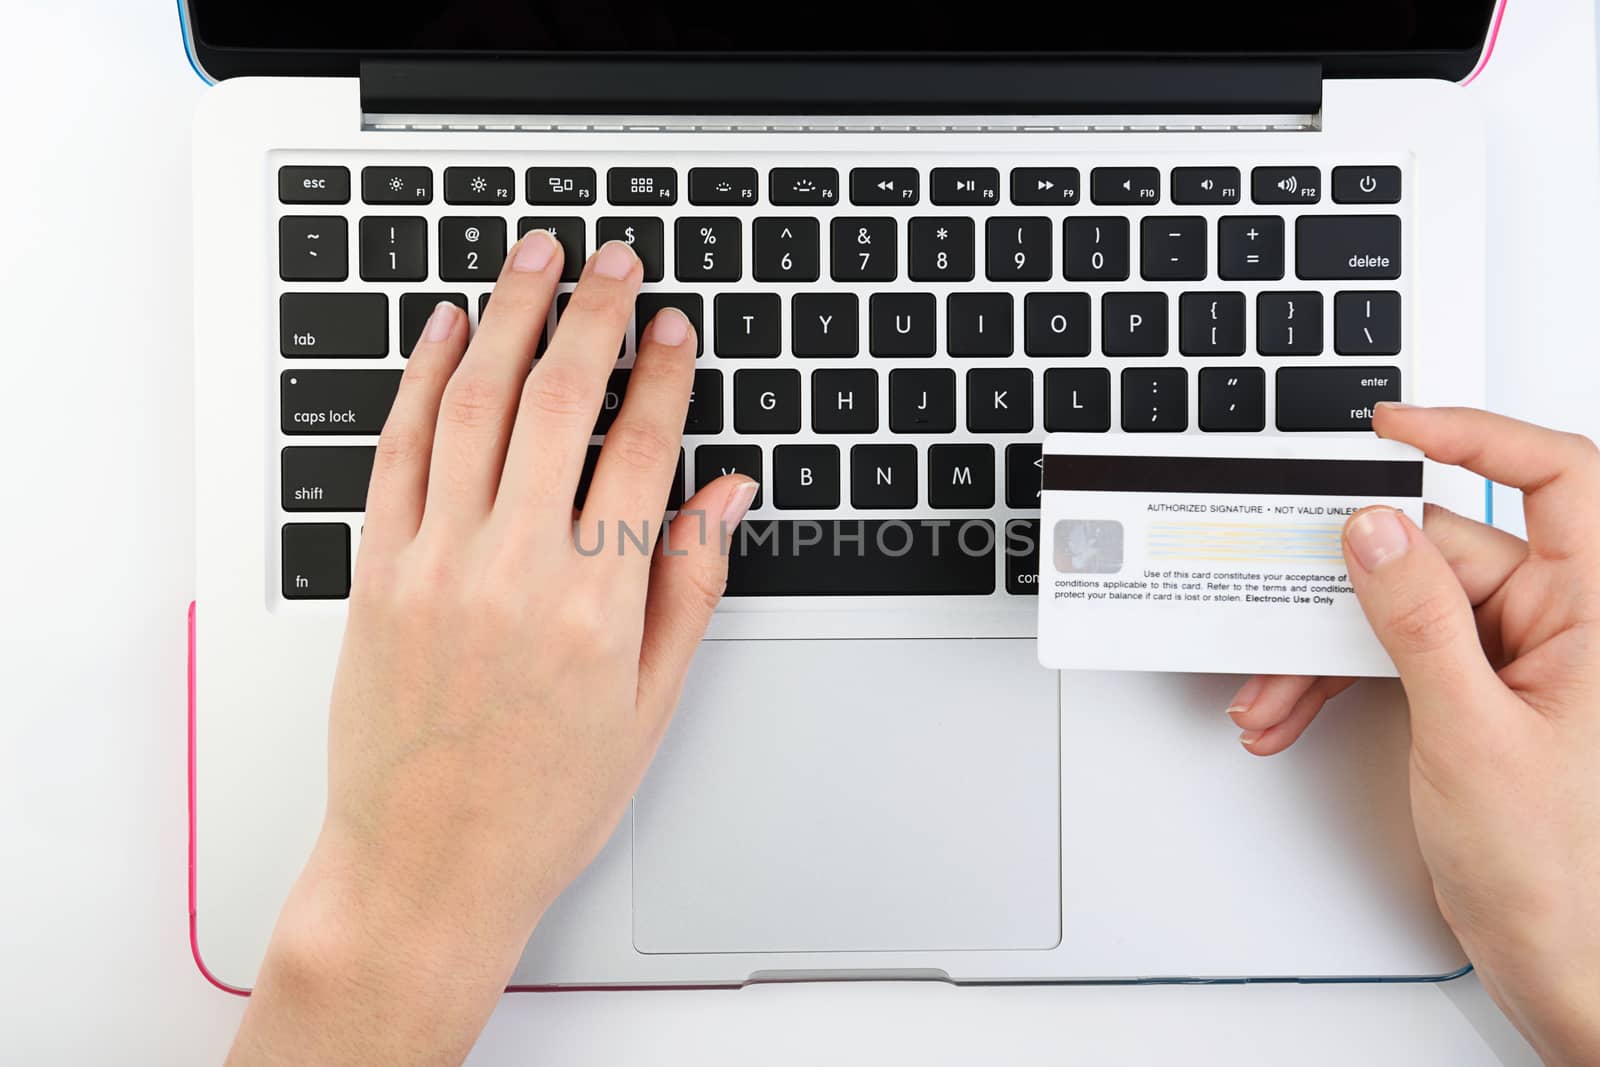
(854, 795)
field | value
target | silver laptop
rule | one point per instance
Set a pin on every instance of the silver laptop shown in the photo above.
(912, 246)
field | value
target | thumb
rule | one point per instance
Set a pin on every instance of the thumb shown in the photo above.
(1420, 612)
(686, 582)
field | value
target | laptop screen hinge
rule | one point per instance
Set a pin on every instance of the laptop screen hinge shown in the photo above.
(507, 93)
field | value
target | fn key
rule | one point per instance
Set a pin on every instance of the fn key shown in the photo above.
(316, 561)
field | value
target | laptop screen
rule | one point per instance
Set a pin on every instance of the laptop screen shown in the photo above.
(839, 26)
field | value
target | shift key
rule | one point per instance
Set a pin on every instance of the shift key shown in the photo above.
(1333, 398)
(337, 401)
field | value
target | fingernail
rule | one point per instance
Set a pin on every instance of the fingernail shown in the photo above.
(1376, 537)
(441, 322)
(1396, 405)
(1250, 737)
(535, 252)
(1245, 696)
(670, 327)
(739, 502)
(615, 259)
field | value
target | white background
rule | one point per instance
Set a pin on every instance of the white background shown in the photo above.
(97, 548)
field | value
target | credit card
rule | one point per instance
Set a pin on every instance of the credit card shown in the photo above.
(1211, 554)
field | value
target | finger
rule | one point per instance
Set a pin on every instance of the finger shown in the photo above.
(561, 398)
(634, 474)
(1558, 473)
(1266, 700)
(399, 482)
(1421, 614)
(687, 577)
(476, 413)
(1481, 556)
(1297, 717)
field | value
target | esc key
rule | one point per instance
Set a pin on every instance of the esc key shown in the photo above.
(314, 185)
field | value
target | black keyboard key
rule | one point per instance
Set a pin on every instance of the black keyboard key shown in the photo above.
(978, 324)
(1125, 185)
(1077, 400)
(1211, 324)
(961, 476)
(332, 478)
(805, 477)
(922, 401)
(883, 477)
(1097, 250)
(1289, 324)
(1347, 246)
(1173, 249)
(1021, 549)
(415, 309)
(749, 324)
(479, 185)
(642, 185)
(646, 305)
(394, 249)
(1286, 185)
(715, 461)
(862, 557)
(1000, 401)
(710, 250)
(1233, 399)
(313, 248)
(1048, 186)
(705, 404)
(314, 185)
(803, 186)
(1018, 250)
(880, 186)
(1366, 185)
(471, 249)
(1205, 185)
(644, 235)
(865, 250)
(1025, 475)
(1155, 401)
(316, 561)
(844, 401)
(1333, 398)
(902, 324)
(336, 401)
(1250, 248)
(570, 231)
(722, 186)
(397, 185)
(1134, 324)
(825, 324)
(333, 325)
(676, 492)
(941, 249)
(1366, 324)
(965, 186)
(561, 185)
(787, 250)
(766, 401)
(611, 402)
(1056, 324)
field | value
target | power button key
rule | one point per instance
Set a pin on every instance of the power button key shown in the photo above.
(1366, 185)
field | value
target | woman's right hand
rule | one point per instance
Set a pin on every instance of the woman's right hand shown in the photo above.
(1498, 645)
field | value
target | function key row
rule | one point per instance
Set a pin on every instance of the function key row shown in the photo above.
(821, 187)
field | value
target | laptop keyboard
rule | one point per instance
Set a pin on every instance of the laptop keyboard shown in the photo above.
(882, 347)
